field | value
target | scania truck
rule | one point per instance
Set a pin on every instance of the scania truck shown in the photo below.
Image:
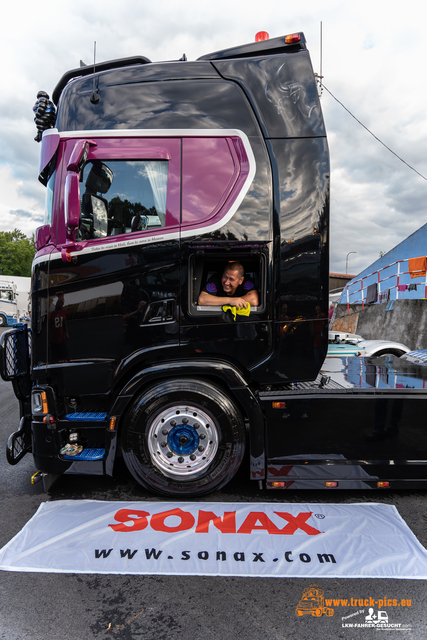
(158, 176)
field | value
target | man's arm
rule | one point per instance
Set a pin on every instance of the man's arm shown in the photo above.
(207, 300)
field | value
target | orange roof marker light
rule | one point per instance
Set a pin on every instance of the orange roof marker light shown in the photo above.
(293, 37)
(261, 35)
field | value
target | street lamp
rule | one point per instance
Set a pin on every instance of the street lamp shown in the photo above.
(346, 261)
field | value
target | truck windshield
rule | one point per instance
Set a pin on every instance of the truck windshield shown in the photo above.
(122, 196)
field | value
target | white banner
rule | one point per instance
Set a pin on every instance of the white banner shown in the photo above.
(212, 539)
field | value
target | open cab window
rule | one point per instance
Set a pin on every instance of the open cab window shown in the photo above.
(205, 264)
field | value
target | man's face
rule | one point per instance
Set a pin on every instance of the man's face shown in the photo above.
(230, 281)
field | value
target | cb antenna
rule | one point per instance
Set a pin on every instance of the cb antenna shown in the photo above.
(95, 97)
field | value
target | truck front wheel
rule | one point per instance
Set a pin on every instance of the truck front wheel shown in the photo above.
(183, 438)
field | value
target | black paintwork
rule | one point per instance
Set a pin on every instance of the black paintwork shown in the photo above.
(86, 70)
(282, 92)
(150, 103)
(366, 437)
(108, 333)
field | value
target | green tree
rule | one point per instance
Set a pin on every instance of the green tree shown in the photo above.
(16, 253)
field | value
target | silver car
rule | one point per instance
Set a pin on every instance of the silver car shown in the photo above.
(341, 343)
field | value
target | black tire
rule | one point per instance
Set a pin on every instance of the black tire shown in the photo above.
(389, 352)
(192, 456)
(3, 321)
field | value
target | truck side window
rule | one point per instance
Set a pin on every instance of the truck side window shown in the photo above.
(122, 196)
(203, 268)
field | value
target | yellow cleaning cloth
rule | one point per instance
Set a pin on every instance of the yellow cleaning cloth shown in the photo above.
(235, 311)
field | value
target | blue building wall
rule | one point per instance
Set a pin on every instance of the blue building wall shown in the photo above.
(413, 246)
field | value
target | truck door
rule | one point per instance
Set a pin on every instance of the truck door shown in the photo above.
(113, 286)
(217, 172)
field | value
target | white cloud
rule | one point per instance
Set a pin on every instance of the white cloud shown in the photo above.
(18, 211)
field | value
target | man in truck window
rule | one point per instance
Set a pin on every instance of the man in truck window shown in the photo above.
(231, 288)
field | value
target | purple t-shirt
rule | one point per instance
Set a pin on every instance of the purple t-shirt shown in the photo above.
(214, 287)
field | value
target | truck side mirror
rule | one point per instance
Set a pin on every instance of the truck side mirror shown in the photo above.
(76, 163)
(79, 155)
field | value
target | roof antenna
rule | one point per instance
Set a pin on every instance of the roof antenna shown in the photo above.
(319, 76)
(95, 97)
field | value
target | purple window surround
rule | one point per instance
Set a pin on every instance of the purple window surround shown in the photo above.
(213, 173)
(50, 142)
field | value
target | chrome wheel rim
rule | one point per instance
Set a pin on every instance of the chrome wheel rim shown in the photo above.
(182, 441)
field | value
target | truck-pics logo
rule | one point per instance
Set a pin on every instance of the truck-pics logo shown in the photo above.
(372, 615)
(313, 603)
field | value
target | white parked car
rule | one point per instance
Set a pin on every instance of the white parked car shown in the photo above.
(351, 344)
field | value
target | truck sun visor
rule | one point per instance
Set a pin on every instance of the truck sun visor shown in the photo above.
(50, 143)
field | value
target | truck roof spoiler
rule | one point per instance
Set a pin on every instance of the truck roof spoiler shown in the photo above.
(263, 48)
(100, 66)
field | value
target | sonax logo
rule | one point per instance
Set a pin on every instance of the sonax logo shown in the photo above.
(175, 520)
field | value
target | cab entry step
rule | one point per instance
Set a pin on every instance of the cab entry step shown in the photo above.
(87, 417)
(89, 453)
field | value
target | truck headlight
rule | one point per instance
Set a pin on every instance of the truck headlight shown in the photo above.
(39, 403)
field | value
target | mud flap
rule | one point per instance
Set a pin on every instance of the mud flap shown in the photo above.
(49, 479)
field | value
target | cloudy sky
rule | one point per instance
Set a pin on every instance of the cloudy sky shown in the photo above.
(373, 62)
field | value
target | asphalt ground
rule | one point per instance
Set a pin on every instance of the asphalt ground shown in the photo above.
(38, 606)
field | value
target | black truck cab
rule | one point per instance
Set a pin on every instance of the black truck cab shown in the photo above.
(158, 175)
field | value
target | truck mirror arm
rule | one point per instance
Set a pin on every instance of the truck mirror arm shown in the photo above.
(78, 159)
